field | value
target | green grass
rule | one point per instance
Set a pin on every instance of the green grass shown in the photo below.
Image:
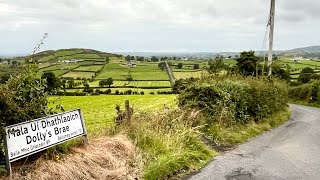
(238, 134)
(134, 83)
(169, 144)
(89, 68)
(116, 71)
(86, 56)
(184, 75)
(79, 74)
(113, 90)
(47, 58)
(148, 72)
(99, 111)
(67, 53)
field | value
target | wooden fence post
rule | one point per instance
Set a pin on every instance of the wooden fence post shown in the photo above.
(128, 113)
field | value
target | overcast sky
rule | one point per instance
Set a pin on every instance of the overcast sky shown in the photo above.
(155, 25)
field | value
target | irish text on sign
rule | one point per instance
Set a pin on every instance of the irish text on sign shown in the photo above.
(30, 137)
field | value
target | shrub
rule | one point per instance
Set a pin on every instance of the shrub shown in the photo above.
(142, 93)
(108, 91)
(152, 93)
(129, 79)
(117, 92)
(235, 99)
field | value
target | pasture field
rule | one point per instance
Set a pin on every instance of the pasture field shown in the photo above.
(79, 74)
(86, 56)
(113, 90)
(186, 74)
(133, 83)
(89, 68)
(148, 72)
(116, 71)
(99, 111)
(68, 53)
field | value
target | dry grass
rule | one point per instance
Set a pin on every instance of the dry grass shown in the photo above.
(105, 158)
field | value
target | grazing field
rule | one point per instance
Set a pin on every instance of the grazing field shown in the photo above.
(79, 74)
(148, 72)
(186, 74)
(113, 90)
(134, 83)
(90, 68)
(99, 111)
(116, 71)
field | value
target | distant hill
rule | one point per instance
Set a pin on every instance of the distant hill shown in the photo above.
(310, 51)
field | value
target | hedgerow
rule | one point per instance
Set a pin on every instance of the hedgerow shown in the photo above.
(236, 99)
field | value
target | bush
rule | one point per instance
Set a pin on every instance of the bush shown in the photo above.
(22, 98)
(142, 93)
(117, 92)
(108, 91)
(235, 99)
(152, 93)
(306, 92)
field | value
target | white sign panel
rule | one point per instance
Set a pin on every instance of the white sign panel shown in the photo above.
(33, 136)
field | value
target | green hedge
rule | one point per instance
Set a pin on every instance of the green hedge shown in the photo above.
(229, 100)
(306, 92)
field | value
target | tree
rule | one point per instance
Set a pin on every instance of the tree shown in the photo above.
(216, 65)
(102, 83)
(304, 78)
(128, 58)
(14, 62)
(87, 88)
(274, 57)
(162, 65)
(71, 83)
(109, 82)
(280, 73)
(51, 81)
(154, 59)
(247, 63)
(196, 66)
(307, 70)
(179, 66)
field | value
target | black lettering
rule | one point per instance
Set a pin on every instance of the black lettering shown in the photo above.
(29, 139)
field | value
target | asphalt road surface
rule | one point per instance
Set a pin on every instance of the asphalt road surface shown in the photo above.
(290, 152)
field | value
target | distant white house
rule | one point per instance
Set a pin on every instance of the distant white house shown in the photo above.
(297, 59)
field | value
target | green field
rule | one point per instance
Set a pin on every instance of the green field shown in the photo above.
(99, 111)
(90, 68)
(79, 74)
(134, 83)
(186, 74)
(113, 90)
(116, 71)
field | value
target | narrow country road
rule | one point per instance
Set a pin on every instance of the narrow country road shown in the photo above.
(290, 152)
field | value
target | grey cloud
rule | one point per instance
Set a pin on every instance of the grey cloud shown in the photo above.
(215, 23)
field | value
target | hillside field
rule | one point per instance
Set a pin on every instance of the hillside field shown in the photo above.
(99, 111)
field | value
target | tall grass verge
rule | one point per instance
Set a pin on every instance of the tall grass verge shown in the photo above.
(169, 143)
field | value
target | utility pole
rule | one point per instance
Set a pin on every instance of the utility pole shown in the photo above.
(271, 24)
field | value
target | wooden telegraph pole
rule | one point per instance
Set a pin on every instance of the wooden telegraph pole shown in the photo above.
(271, 24)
